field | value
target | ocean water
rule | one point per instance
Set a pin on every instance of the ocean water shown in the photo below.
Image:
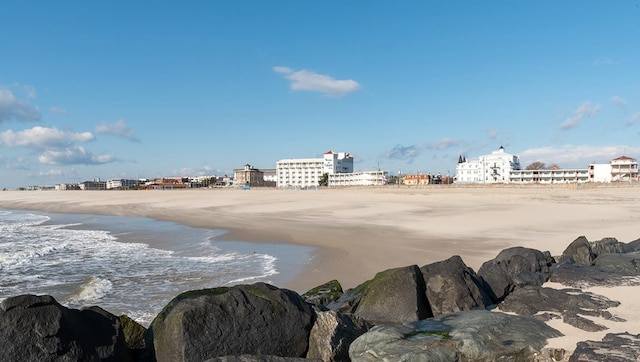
(128, 265)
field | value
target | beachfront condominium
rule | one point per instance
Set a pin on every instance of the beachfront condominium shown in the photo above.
(307, 172)
(487, 169)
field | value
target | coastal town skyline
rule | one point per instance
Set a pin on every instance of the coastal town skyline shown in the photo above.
(124, 90)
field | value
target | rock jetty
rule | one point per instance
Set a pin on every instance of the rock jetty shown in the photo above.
(443, 311)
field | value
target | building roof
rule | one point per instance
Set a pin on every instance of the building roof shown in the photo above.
(623, 158)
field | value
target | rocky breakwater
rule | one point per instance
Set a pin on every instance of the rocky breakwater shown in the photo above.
(443, 311)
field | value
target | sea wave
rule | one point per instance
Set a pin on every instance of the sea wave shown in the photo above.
(91, 291)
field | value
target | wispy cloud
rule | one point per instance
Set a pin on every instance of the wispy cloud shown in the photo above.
(74, 156)
(443, 144)
(305, 80)
(618, 101)
(586, 109)
(604, 61)
(52, 172)
(59, 111)
(407, 153)
(13, 108)
(633, 119)
(118, 129)
(410, 153)
(576, 155)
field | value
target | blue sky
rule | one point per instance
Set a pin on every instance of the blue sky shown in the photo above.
(123, 89)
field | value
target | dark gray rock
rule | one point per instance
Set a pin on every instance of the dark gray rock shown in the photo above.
(614, 347)
(607, 246)
(464, 336)
(623, 264)
(579, 251)
(570, 304)
(250, 358)
(451, 286)
(257, 319)
(515, 267)
(392, 296)
(581, 276)
(332, 333)
(324, 294)
(133, 333)
(632, 247)
(38, 328)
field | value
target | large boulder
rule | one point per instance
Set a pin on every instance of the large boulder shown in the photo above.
(515, 267)
(332, 333)
(38, 328)
(623, 264)
(451, 286)
(392, 296)
(133, 333)
(257, 319)
(579, 251)
(324, 294)
(463, 336)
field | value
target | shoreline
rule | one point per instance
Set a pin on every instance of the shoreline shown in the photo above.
(358, 232)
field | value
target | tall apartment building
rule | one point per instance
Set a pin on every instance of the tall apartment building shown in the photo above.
(487, 169)
(306, 172)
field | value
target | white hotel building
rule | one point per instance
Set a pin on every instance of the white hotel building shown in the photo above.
(307, 172)
(487, 169)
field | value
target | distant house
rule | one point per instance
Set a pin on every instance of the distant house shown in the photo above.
(93, 185)
(250, 176)
(165, 184)
(622, 168)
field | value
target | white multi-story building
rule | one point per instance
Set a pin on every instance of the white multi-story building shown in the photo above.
(487, 169)
(306, 172)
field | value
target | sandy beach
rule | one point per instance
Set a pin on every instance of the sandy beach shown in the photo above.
(358, 232)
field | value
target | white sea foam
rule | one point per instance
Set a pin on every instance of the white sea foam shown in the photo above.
(52, 254)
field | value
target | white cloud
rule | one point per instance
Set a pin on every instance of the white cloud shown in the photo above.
(586, 109)
(119, 129)
(42, 137)
(73, 156)
(576, 156)
(12, 108)
(304, 80)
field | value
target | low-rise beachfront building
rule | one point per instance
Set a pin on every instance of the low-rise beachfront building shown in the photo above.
(551, 176)
(487, 169)
(121, 184)
(363, 178)
(307, 172)
(93, 185)
(420, 179)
